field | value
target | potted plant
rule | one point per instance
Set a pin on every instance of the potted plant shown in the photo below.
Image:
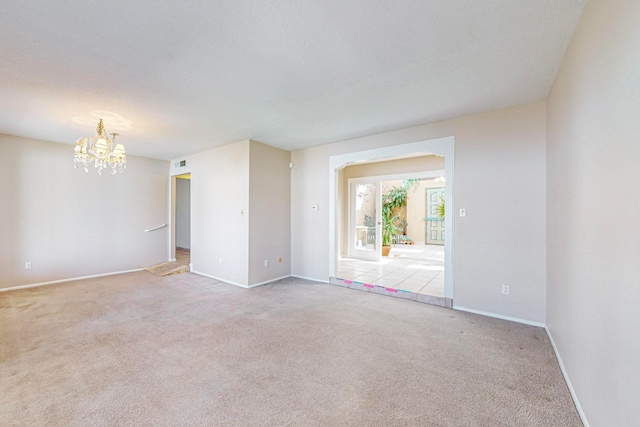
(393, 203)
(390, 226)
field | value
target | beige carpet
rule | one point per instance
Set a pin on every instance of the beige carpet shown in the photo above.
(137, 349)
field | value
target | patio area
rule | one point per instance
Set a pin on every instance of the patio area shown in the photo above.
(411, 268)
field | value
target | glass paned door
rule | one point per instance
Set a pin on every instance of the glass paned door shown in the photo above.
(364, 222)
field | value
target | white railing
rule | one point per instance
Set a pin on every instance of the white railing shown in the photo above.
(155, 228)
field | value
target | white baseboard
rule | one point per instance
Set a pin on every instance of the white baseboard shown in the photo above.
(72, 279)
(220, 279)
(583, 417)
(499, 316)
(310, 278)
(268, 281)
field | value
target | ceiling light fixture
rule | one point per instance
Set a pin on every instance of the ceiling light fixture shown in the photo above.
(100, 150)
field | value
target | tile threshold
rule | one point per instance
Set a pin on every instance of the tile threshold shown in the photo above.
(392, 292)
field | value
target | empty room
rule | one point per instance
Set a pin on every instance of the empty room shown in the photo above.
(320, 213)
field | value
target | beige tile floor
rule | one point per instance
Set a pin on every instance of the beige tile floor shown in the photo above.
(183, 256)
(414, 268)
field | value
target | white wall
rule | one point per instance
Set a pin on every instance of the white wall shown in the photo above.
(310, 228)
(270, 213)
(240, 212)
(69, 223)
(220, 211)
(183, 213)
(593, 201)
(500, 154)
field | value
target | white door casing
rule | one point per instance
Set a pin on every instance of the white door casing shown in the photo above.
(440, 147)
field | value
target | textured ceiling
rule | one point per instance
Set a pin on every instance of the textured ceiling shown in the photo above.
(178, 77)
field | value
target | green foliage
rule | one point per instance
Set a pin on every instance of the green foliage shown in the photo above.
(440, 208)
(393, 203)
(390, 226)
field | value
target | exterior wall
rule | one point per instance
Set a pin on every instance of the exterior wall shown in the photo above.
(270, 213)
(391, 167)
(593, 203)
(501, 152)
(69, 223)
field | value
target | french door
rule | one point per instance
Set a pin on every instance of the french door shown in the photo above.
(434, 231)
(364, 219)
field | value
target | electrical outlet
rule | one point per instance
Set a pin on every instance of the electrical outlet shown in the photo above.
(463, 213)
(266, 263)
(506, 289)
(27, 265)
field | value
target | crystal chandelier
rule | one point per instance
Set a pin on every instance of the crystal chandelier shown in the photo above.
(100, 151)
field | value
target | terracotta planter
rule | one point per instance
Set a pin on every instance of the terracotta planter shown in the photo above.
(386, 250)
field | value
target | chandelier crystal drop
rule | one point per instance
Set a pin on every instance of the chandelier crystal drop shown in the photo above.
(101, 151)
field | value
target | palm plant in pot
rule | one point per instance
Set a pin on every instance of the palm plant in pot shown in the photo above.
(390, 227)
(393, 203)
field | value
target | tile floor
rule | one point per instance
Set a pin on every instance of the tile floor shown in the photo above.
(413, 268)
(183, 256)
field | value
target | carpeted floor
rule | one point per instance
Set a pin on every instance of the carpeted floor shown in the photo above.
(137, 349)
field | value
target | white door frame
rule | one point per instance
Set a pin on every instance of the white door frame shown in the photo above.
(174, 171)
(172, 218)
(439, 147)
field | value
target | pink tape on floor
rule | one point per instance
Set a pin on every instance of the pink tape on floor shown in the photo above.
(366, 285)
(391, 290)
(348, 281)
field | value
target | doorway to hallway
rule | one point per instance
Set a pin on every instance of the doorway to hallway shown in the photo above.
(182, 229)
